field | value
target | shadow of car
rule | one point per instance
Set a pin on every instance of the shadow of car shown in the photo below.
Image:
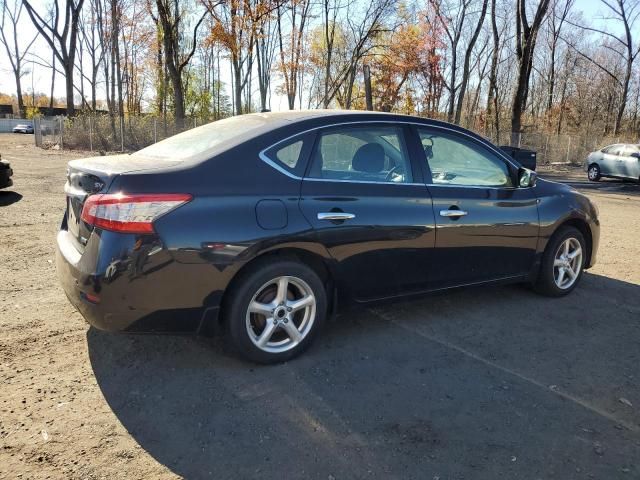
(442, 385)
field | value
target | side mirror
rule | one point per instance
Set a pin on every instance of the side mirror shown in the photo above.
(527, 178)
(636, 155)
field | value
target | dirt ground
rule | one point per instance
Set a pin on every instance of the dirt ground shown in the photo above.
(479, 383)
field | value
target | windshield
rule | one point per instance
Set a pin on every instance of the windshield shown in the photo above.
(199, 140)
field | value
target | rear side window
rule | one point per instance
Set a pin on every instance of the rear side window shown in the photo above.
(289, 155)
(361, 154)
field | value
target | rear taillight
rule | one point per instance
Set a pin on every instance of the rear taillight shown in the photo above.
(129, 213)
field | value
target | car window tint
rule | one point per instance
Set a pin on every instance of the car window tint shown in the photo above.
(371, 154)
(454, 160)
(290, 154)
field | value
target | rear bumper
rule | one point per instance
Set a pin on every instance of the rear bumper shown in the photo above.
(126, 285)
(81, 285)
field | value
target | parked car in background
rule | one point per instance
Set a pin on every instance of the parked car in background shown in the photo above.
(263, 225)
(5, 174)
(23, 128)
(621, 160)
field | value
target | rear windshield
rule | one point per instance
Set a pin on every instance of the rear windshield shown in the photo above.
(200, 140)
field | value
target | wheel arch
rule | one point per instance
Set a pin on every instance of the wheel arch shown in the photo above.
(320, 264)
(583, 227)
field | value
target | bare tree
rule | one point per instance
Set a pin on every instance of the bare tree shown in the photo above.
(265, 52)
(291, 48)
(361, 40)
(177, 55)
(559, 12)
(451, 19)
(626, 12)
(467, 62)
(526, 36)
(63, 42)
(9, 38)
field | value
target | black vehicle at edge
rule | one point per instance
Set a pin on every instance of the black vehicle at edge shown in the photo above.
(261, 226)
(6, 172)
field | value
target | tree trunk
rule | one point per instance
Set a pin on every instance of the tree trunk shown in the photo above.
(526, 41)
(467, 62)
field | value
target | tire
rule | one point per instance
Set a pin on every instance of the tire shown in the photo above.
(550, 282)
(276, 318)
(593, 172)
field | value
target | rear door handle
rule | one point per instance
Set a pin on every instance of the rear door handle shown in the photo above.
(453, 213)
(335, 216)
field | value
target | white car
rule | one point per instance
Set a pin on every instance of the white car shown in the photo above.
(23, 128)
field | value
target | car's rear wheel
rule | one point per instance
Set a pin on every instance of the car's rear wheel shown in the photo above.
(562, 263)
(593, 172)
(275, 311)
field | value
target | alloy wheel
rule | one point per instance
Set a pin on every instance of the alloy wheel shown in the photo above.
(593, 173)
(281, 314)
(567, 263)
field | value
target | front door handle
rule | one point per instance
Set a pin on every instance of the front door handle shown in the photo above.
(333, 216)
(453, 213)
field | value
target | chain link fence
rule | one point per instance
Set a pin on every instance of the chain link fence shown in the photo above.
(104, 133)
(48, 132)
(564, 149)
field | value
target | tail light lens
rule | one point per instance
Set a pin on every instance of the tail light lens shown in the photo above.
(129, 213)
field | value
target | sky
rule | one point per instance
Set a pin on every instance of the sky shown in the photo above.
(38, 78)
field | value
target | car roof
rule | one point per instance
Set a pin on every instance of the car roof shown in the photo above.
(320, 117)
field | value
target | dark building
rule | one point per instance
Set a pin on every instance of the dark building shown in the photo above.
(6, 111)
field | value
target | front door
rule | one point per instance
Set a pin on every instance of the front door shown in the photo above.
(486, 227)
(377, 222)
(610, 160)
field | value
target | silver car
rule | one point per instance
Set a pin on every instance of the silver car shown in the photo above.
(23, 128)
(621, 160)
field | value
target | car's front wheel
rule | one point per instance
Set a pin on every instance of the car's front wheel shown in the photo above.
(275, 310)
(562, 263)
(593, 172)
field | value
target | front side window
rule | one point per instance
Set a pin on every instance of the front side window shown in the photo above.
(370, 154)
(613, 149)
(455, 160)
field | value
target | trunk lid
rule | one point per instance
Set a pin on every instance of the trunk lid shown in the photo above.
(90, 176)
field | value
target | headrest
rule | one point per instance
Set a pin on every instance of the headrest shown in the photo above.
(369, 158)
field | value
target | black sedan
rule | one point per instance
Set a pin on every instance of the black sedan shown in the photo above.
(261, 226)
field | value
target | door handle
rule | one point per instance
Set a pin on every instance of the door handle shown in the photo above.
(453, 213)
(335, 216)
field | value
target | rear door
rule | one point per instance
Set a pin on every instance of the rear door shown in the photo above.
(368, 208)
(487, 228)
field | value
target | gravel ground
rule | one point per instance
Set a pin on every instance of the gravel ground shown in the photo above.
(479, 383)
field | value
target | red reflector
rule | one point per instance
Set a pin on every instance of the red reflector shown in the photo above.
(130, 213)
(89, 297)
